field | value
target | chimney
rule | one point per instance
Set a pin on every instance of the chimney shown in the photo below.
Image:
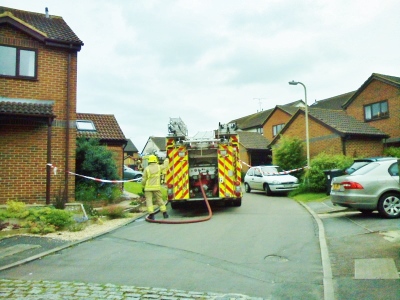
(47, 13)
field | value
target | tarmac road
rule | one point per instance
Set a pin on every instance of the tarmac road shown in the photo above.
(276, 255)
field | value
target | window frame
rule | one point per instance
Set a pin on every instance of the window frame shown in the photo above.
(86, 122)
(368, 110)
(18, 63)
(277, 128)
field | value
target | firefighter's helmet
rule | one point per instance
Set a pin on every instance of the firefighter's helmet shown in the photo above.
(152, 159)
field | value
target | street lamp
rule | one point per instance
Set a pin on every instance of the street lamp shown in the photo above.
(306, 113)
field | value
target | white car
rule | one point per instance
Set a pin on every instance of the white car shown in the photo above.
(271, 179)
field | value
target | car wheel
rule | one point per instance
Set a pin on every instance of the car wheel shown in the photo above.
(267, 189)
(247, 188)
(389, 205)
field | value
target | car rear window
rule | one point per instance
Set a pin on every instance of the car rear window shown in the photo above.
(365, 169)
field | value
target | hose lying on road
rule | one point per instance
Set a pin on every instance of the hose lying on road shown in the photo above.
(186, 221)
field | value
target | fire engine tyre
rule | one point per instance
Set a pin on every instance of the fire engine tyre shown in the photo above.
(175, 205)
(389, 205)
(247, 188)
(237, 203)
(267, 189)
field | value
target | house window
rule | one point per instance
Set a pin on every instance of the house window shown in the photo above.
(276, 129)
(17, 62)
(85, 125)
(375, 111)
(260, 130)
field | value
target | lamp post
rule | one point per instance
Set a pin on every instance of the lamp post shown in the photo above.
(306, 116)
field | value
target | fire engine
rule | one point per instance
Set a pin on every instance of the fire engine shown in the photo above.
(209, 160)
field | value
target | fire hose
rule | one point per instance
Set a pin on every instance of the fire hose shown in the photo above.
(186, 221)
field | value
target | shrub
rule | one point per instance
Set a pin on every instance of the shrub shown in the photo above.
(316, 177)
(392, 152)
(289, 153)
(113, 212)
(16, 209)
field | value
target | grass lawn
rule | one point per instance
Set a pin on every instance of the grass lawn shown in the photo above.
(308, 197)
(136, 188)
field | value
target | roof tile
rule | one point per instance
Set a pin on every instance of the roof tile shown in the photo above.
(107, 127)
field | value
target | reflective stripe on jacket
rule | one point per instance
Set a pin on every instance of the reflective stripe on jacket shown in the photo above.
(151, 176)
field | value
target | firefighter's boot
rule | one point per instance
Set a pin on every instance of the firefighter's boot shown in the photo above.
(150, 217)
(165, 215)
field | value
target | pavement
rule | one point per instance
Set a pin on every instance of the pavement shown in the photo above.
(19, 250)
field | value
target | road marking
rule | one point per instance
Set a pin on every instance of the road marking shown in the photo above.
(375, 268)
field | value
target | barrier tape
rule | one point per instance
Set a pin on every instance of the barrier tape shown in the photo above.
(92, 178)
(284, 172)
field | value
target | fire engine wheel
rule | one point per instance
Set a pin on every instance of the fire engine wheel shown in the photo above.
(237, 202)
(247, 188)
(267, 189)
(175, 205)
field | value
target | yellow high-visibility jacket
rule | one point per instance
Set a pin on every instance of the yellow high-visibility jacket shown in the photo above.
(151, 176)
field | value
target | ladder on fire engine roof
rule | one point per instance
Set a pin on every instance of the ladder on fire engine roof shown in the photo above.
(177, 128)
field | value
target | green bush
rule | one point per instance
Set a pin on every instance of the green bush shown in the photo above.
(58, 218)
(392, 152)
(316, 179)
(16, 209)
(289, 153)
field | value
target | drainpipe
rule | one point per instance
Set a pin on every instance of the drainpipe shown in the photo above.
(344, 144)
(67, 127)
(48, 167)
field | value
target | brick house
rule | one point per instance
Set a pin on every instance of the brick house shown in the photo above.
(253, 149)
(131, 156)
(334, 132)
(257, 130)
(357, 124)
(105, 128)
(38, 77)
(377, 103)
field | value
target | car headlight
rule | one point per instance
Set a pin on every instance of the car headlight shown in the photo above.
(276, 182)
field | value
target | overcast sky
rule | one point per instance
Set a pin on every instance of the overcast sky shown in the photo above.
(211, 61)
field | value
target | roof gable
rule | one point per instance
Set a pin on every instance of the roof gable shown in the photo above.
(51, 30)
(130, 147)
(107, 127)
(391, 80)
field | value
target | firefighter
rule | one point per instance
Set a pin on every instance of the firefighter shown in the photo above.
(151, 182)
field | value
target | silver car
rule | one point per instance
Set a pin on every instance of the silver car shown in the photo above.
(374, 186)
(271, 179)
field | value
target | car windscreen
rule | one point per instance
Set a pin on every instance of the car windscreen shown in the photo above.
(271, 170)
(365, 169)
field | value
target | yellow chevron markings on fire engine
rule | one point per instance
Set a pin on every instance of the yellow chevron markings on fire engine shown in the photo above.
(226, 172)
(180, 172)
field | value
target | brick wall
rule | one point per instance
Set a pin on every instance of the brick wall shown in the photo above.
(23, 147)
(278, 117)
